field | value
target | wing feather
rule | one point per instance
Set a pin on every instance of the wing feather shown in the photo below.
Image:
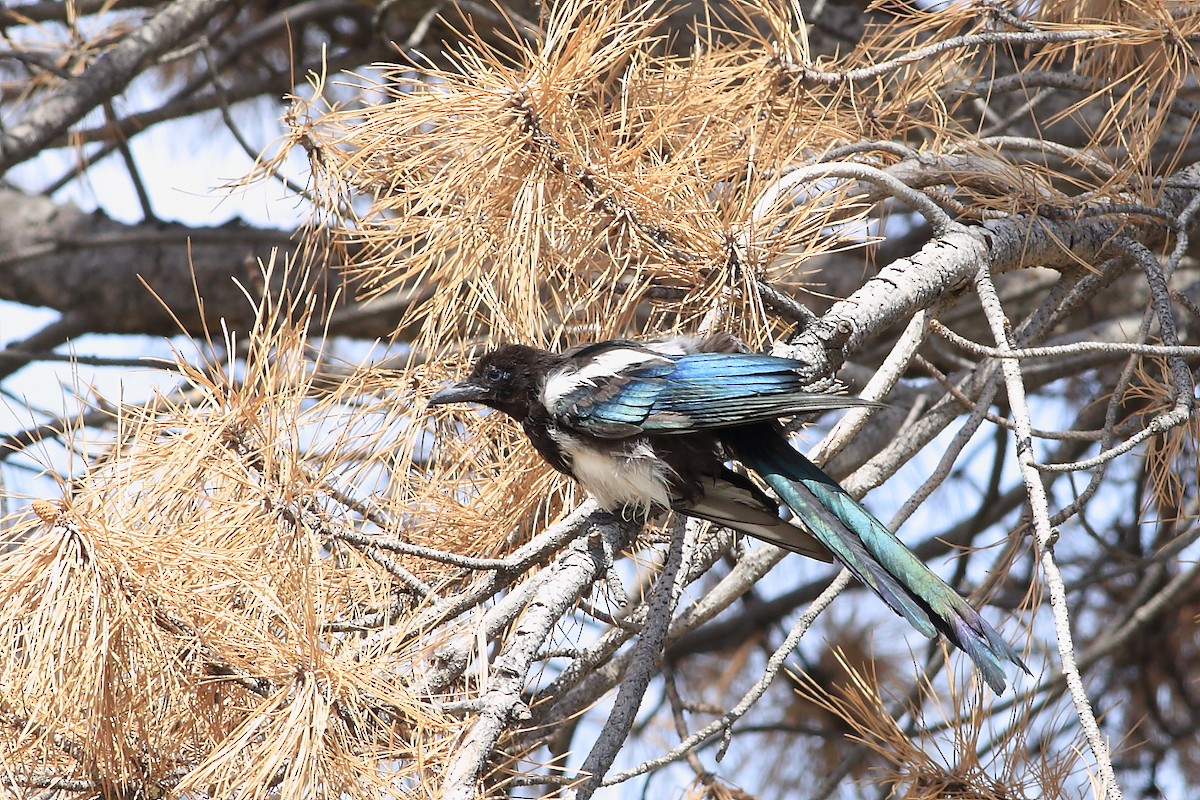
(678, 393)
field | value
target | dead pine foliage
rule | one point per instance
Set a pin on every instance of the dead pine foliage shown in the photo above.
(287, 578)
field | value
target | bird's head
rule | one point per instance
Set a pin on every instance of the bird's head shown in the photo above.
(505, 379)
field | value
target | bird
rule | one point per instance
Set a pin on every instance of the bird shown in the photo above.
(650, 425)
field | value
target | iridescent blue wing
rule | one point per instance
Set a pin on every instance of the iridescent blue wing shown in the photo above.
(684, 393)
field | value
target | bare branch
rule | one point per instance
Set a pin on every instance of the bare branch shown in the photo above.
(105, 78)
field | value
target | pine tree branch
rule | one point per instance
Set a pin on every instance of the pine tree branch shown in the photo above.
(104, 79)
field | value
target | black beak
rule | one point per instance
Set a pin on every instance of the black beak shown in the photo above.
(461, 392)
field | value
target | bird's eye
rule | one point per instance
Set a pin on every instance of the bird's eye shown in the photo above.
(495, 374)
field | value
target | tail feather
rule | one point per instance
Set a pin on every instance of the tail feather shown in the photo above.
(873, 553)
(733, 501)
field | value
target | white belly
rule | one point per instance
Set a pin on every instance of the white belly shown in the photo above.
(635, 478)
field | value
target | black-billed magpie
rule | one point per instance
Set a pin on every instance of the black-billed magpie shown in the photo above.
(652, 425)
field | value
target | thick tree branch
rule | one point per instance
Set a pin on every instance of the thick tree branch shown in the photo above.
(949, 264)
(92, 268)
(106, 78)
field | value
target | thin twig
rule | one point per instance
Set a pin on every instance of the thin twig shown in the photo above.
(774, 664)
(644, 657)
(1019, 353)
(804, 73)
(937, 218)
(502, 703)
(1045, 534)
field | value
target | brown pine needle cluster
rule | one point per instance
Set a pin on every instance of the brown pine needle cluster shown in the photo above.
(600, 183)
(289, 579)
(966, 758)
(186, 617)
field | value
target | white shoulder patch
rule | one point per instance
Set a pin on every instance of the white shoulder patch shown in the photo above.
(562, 382)
(617, 361)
